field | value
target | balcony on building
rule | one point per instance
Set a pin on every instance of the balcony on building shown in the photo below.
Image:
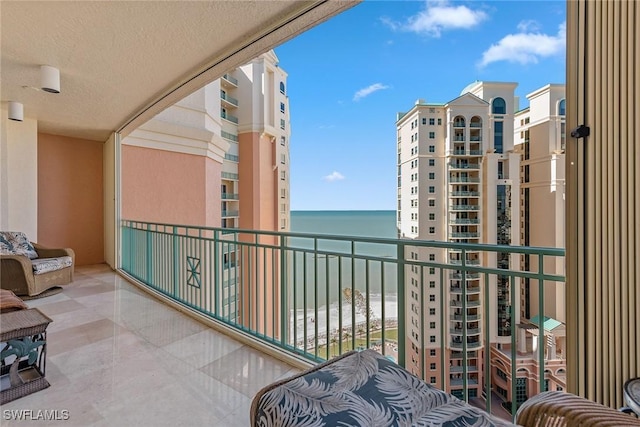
(200, 317)
(228, 116)
(227, 100)
(229, 81)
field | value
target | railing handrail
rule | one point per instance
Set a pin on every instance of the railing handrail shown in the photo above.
(533, 250)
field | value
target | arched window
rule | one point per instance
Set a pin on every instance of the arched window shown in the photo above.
(498, 106)
(282, 91)
(476, 122)
(458, 122)
(562, 107)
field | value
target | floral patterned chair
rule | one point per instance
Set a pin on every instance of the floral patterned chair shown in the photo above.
(29, 269)
(362, 389)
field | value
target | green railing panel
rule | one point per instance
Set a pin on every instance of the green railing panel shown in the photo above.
(317, 296)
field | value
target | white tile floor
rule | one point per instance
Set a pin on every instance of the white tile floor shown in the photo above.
(118, 357)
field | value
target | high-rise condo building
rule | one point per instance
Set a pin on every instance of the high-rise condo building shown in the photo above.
(458, 181)
(474, 171)
(217, 158)
(540, 140)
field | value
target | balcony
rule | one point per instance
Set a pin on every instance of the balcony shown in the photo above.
(466, 235)
(470, 317)
(228, 100)
(118, 356)
(229, 80)
(470, 345)
(469, 289)
(465, 193)
(231, 157)
(465, 207)
(468, 304)
(229, 136)
(229, 117)
(229, 175)
(457, 165)
(229, 196)
(461, 331)
(463, 221)
(455, 180)
(229, 213)
(106, 324)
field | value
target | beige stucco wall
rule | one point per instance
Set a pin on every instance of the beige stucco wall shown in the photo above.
(70, 201)
(170, 187)
(19, 176)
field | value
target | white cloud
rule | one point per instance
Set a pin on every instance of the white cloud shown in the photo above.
(525, 47)
(334, 176)
(528, 26)
(369, 90)
(438, 16)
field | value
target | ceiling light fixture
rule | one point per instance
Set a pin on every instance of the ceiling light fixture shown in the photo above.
(50, 79)
(16, 111)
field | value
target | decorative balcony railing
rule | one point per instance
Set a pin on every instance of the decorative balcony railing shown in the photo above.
(229, 136)
(229, 196)
(455, 180)
(229, 175)
(230, 79)
(228, 99)
(314, 296)
(229, 117)
(454, 165)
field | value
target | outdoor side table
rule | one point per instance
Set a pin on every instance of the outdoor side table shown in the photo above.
(22, 356)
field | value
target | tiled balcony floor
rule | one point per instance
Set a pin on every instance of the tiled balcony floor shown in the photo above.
(118, 357)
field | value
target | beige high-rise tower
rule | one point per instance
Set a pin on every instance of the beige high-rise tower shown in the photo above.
(458, 181)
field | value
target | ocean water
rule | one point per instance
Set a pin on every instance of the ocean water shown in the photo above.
(346, 223)
(324, 267)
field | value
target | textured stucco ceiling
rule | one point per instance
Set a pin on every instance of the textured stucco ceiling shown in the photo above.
(121, 60)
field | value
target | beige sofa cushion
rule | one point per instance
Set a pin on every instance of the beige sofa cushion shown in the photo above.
(45, 265)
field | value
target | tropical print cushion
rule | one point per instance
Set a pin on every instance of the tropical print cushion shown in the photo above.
(364, 389)
(46, 265)
(16, 243)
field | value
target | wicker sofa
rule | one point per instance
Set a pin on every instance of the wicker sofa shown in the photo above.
(29, 269)
(558, 409)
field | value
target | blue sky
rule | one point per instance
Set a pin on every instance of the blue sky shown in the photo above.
(349, 76)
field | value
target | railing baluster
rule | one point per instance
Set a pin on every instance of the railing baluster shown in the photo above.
(234, 272)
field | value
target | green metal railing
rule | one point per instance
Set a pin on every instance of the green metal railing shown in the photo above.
(229, 175)
(231, 79)
(229, 136)
(232, 157)
(230, 99)
(229, 117)
(230, 196)
(316, 296)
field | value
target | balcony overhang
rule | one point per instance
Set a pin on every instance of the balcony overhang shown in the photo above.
(121, 63)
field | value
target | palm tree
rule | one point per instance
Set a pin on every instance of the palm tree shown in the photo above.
(20, 348)
(334, 341)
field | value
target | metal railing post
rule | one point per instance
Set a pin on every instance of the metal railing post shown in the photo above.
(400, 254)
